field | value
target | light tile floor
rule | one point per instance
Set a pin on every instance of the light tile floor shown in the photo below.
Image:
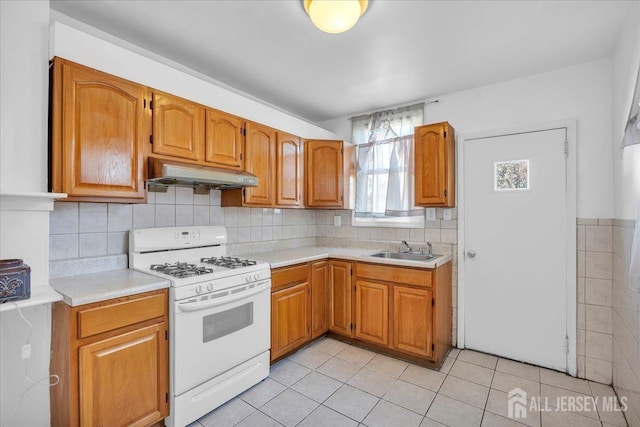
(333, 384)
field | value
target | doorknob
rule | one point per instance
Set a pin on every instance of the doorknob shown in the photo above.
(471, 254)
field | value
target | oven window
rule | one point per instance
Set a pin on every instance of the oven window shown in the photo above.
(227, 322)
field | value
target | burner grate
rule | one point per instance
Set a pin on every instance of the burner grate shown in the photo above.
(181, 269)
(228, 262)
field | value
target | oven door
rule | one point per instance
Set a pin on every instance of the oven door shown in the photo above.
(212, 336)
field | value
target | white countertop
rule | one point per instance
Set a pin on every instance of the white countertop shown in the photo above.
(285, 257)
(89, 288)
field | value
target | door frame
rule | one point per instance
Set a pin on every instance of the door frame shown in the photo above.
(569, 125)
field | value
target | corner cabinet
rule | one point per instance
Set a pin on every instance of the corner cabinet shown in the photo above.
(340, 297)
(435, 165)
(329, 174)
(99, 124)
(112, 360)
(289, 170)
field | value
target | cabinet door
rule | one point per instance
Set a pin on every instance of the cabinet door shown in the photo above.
(435, 165)
(98, 129)
(372, 312)
(260, 150)
(224, 140)
(324, 174)
(124, 379)
(289, 319)
(340, 297)
(412, 323)
(319, 298)
(178, 127)
(289, 179)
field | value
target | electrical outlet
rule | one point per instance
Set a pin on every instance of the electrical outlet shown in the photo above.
(431, 214)
(26, 351)
(337, 220)
(446, 214)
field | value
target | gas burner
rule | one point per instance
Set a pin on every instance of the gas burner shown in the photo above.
(228, 262)
(181, 269)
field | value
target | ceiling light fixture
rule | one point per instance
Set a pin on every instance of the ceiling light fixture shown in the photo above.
(335, 16)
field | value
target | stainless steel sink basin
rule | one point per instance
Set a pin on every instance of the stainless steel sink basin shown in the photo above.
(405, 255)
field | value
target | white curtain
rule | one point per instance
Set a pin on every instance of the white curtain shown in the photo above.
(385, 162)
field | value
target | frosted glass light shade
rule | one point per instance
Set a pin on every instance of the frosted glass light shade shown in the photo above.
(335, 16)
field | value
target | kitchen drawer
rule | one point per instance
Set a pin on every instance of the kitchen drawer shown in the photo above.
(389, 273)
(96, 320)
(289, 275)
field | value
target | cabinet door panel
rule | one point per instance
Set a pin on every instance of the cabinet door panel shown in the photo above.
(289, 170)
(324, 173)
(340, 297)
(372, 312)
(224, 139)
(435, 165)
(98, 132)
(117, 375)
(289, 319)
(178, 127)
(319, 298)
(260, 148)
(412, 322)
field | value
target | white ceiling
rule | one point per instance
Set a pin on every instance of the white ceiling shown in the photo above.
(399, 52)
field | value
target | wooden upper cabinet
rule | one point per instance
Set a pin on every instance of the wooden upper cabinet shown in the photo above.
(260, 149)
(224, 140)
(372, 312)
(129, 367)
(340, 297)
(98, 129)
(412, 320)
(319, 298)
(324, 174)
(178, 127)
(289, 170)
(435, 165)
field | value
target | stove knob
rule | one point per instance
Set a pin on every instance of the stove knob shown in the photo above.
(199, 289)
(247, 278)
(210, 287)
(256, 276)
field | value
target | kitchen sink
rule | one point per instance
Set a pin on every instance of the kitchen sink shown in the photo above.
(411, 256)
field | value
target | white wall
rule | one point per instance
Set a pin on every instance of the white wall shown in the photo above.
(91, 47)
(626, 170)
(582, 92)
(23, 99)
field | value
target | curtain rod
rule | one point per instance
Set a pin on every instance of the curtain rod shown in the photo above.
(399, 109)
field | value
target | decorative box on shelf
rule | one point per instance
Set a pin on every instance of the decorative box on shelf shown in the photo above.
(15, 280)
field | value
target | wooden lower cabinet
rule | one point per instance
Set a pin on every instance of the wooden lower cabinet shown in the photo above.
(340, 292)
(319, 298)
(412, 323)
(372, 312)
(289, 319)
(112, 360)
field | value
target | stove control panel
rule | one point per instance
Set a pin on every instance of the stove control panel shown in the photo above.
(257, 276)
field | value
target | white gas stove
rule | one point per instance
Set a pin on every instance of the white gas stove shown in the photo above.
(220, 314)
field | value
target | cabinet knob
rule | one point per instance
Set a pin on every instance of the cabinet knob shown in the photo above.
(471, 254)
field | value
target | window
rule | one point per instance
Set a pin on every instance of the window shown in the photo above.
(384, 180)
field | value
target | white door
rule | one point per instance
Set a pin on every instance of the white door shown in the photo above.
(515, 234)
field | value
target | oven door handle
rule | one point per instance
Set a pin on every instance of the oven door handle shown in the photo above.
(195, 306)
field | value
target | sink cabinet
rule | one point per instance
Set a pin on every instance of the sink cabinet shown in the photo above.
(112, 360)
(402, 311)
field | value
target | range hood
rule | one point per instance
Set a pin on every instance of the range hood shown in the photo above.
(164, 173)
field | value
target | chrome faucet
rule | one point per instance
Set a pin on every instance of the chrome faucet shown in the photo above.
(430, 248)
(409, 248)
